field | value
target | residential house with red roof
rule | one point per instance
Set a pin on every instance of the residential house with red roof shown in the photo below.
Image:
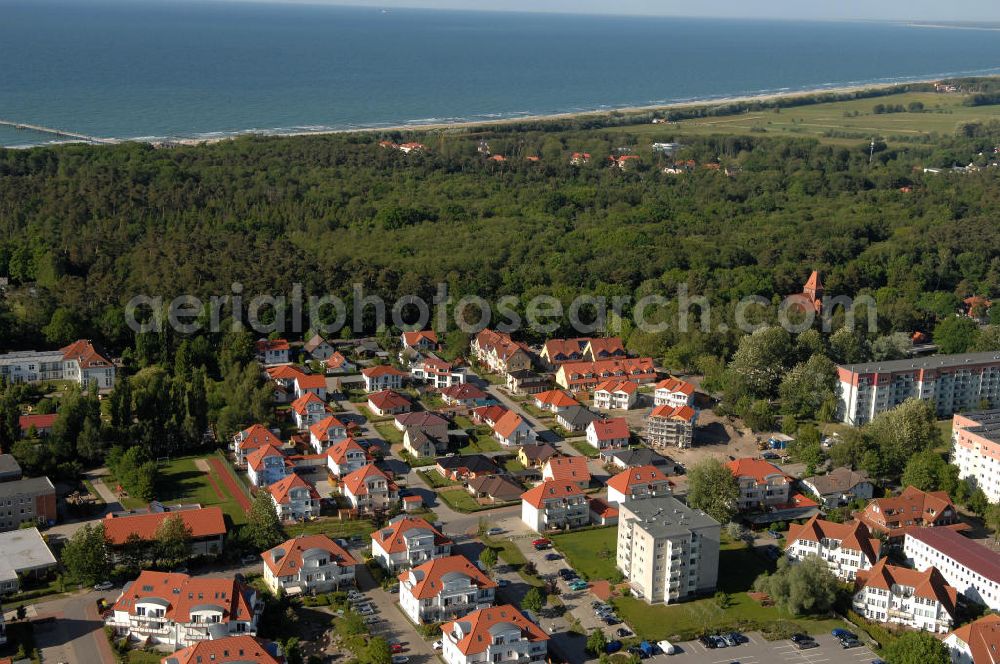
(338, 363)
(273, 351)
(976, 642)
(307, 410)
(762, 485)
(314, 383)
(893, 515)
(671, 426)
(637, 484)
(465, 394)
(388, 402)
(383, 377)
(326, 432)
(228, 650)
(616, 394)
(500, 353)
(370, 490)
(294, 498)
(318, 348)
(177, 610)
(966, 564)
(408, 541)
(555, 505)
(207, 526)
(496, 634)
(848, 548)
(80, 362)
(422, 340)
(488, 415)
(579, 158)
(42, 424)
(604, 348)
(444, 589)
(250, 439)
(555, 401)
(558, 351)
(266, 465)
(282, 377)
(437, 372)
(902, 596)
(581, 376)
(608, 433)
(512, 429)
(344, 457)
(673, 392)
(308, 564)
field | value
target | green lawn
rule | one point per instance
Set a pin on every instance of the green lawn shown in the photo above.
(434, 479)
(513, 465)
(389, 432)
(144, 657)
(482, 443)
(460, 500)
(181, 481)
(334, 528)
(507, 550)
(585, 551)
(583, 447)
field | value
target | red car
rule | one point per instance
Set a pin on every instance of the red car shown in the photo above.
(541, 542)
(396, 648)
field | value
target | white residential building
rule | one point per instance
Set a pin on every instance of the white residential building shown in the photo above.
(496, 635)
(273, 351)
(978, 641)
(344, 457)
(177, 610)
(444, 589)
(79, 362)
(902, 596)
(266, 465)
(437, 373)
(609, 433)
(408, 541)
(382, 377)
(616, 395)
(308, 564)
(638, 483)
(326, 432)
(308, 410)
(674, 393)
(970, 567)
(370, 490)
(666, 550)
(250, 439)
(512, 430)
(555, 505)
(762, 485)
(848, 548)
(294, 498)
(976, 449)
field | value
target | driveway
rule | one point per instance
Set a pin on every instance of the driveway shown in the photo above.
(69, 629)
(395, 627)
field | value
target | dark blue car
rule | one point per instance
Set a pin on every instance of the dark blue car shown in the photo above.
(613, 647)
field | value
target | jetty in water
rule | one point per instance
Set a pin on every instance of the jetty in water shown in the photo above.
(57, 132)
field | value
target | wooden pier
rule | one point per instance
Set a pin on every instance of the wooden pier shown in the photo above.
(57, 132)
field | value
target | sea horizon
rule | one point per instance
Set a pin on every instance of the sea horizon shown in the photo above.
(190, 71)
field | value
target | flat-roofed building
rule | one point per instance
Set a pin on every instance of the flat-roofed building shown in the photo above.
(975, 449)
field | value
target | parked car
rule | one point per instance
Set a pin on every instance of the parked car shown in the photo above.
(637, 651)
(623, 633)
(553, 556)
(397, 648)
(494, 531)
(611, 621)
(799, 638)
(400, 659)
(437, 645)
(104, 585)
(734, 639)
(806, 645)
(707, 641)
(503, 583)
(666, 647)
(613, 647)
(846, 643)
(249, 560)
(540, 541)
(719, 641)
(843, 633)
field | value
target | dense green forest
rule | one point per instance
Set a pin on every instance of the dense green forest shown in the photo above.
(82, 229)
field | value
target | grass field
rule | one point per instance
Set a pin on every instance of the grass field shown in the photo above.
(181, 481)
(389, 432)
(585, 551)
(843, 123)
(460, 500)
(434, 479)
(483, 443)
(332, 527)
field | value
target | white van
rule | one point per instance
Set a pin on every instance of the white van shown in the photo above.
(667, 647)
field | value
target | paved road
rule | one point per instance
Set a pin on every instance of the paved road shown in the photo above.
(77, 634)
(394, 626)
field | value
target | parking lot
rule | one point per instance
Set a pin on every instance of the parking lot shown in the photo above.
(759, 651)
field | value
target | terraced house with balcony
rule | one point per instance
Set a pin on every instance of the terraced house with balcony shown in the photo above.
(848, 548)
(498, 635)
(177, 610)
(500, 353)
(308, 564)
(673, 392)
(667, 551)
(444, 589)
(902, 596)
(555, 505)
(762, 485)
(79, 362)
(893, 515)
(408, 541)
(637, 484)
(370, 490)
(581, 376)
(294, 498)
(616, 395)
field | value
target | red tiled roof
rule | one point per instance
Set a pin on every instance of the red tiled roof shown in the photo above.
(606, 346)
(311, 381)
(355, 482)
(983, 639)
(757, 469)
(299, 405)
(626, 386)
(558, 349)
(965, 552)
(338, 451)
(388, 400)
(463, 391)
(286, 558)
(382, 370)
(38, 421)
(85, 354)
(272, 344)
(613, 428)
(622, 368)
(508, 424)
(602, 508)
(183, 594)
(814, 282)
(568, 468)
(280, 489)
(413, 338)
(921, 507)
(853, 535)
(231, 649)
(477, 628)
(322, 428)
(420, 419)
(203, 522)
(500, 342)
(256, 458)
(556, 398)
(428, 579)
(391, 539)
(550, 490)
(284, 372)
(491, 413)
(676, 385)
(336, 360)
(256, 436)
(929, 584)
(625, 480)
(685, 413)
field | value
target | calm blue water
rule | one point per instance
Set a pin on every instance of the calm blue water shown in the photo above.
(150, 68)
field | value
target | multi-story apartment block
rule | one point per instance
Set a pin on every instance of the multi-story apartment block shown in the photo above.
(500, 353)
(31, 500)
(495, 635)
(177, 610)
(951, 383)
(616, 395)
(370, 490)
(555, 505)
(976, 449)
(673, 392)
(848, 548)
(893, 515)
(978, 641)
(444, 589)
(408, 541)
(762, 485)
(671, 426)
(437, 373)
(266, 465)
(579, 376)
(637, 484)
(308, 564)
(344, 457)
(80, 362)
(667, 550)
(294, 498)
(230, 650)
(965, 564)
(902, 596)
